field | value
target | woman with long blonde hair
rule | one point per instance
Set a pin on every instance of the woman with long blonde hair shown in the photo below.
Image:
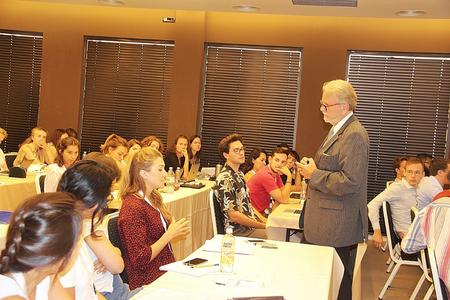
(145, 225)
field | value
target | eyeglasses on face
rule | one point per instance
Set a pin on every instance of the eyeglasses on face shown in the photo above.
(238, 150)
(326, 106)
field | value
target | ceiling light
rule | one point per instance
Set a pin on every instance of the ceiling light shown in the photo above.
(246, 8)
(111, 2)
(410, 13)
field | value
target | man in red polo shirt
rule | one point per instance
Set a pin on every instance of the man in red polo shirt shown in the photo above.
(266, 185)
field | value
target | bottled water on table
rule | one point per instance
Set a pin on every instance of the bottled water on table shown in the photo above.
(170, 181)
(303, 191)
(227, 252)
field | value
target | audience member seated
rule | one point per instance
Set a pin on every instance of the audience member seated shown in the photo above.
(401, 196)
(116, 147)
(145, 225)
(432, 227)
(399, 163)
(194, 150)
(41, 239)
(3, 136)
(68, 154)
(58, 136)
(426, 160)
(134, 146)
(293, 158)
(231, 191)
(72, 133)
(36, 152)
(266, 185)
(256, 160)
(432, 185)
(99, 262)
(154, 142)
(177, 156)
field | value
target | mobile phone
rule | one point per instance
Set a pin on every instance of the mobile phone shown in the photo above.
(195, 261)
(295, 195)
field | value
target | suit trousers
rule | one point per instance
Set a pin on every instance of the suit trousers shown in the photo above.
(347, 255)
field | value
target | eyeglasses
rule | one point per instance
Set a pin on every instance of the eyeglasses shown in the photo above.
(326, 106)
(238, 150)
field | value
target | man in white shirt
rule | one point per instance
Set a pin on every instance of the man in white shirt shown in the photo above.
(401, 196)
(399, 166)
(434, 184)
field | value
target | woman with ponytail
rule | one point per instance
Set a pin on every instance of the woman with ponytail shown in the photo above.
(145, 225)
(41, 237)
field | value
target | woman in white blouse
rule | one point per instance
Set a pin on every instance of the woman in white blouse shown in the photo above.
(68, 153)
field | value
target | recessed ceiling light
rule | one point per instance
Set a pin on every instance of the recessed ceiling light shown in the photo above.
(112, 2)
(410, 13)
(246, 8)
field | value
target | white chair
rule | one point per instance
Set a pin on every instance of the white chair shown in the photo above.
(39, 181)
(435, 273)
(398, 261)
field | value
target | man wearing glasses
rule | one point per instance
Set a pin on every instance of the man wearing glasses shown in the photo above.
(335, 212)
(267, 185)
(231, 191)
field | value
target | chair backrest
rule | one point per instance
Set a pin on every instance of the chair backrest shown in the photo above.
(40, 182)
(10, 158)
(216, 214)
(434, 271)
(392, 238)
(114, 236)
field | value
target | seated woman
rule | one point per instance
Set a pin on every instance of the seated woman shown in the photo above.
(58, 136)
(145, 225)
(3, 136)
(36, 151)
(293, 158)
(194, 150)
(177, 156)
(42, 235)
(90, 182)
(68, 154)
(116, 147)
(255, 161)
(133, 147)
(154, 142)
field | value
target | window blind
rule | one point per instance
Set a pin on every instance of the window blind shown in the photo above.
(20, 74)
(403, 102)
(126, 89)
(252, 91)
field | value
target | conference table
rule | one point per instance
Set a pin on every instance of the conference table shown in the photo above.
(192, 204)
(14, 190)
(292, 270)
(286, 217)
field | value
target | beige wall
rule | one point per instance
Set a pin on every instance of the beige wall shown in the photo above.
(325, 41)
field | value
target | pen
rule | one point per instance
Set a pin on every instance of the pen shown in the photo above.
(205, 266)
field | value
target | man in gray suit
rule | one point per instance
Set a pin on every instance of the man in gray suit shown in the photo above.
(336, 207)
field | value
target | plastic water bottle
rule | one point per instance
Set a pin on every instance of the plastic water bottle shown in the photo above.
(303, 191)
(177, 178)
(170, 181)
(84, 155)
(227, 252)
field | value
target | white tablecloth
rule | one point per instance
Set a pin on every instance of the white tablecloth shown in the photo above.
(295, 271)
(14, 190)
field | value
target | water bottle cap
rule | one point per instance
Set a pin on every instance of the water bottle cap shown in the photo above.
(229, 230)
(170, 168)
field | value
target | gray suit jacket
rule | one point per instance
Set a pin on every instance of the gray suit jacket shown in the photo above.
(336, 207)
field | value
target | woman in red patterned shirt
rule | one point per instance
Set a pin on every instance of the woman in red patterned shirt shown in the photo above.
(145, 225)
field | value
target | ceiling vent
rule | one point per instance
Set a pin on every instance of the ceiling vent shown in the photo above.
(346, 3)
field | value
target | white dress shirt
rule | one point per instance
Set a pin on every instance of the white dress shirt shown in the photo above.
(401, 196)
(427, 189)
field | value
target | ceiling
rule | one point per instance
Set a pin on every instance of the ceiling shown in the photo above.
(435, 9)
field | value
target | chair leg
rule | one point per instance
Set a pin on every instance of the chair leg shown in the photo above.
(389, 281)
(429, 292)
(388, 262)
(391, 265)
(417, 288)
